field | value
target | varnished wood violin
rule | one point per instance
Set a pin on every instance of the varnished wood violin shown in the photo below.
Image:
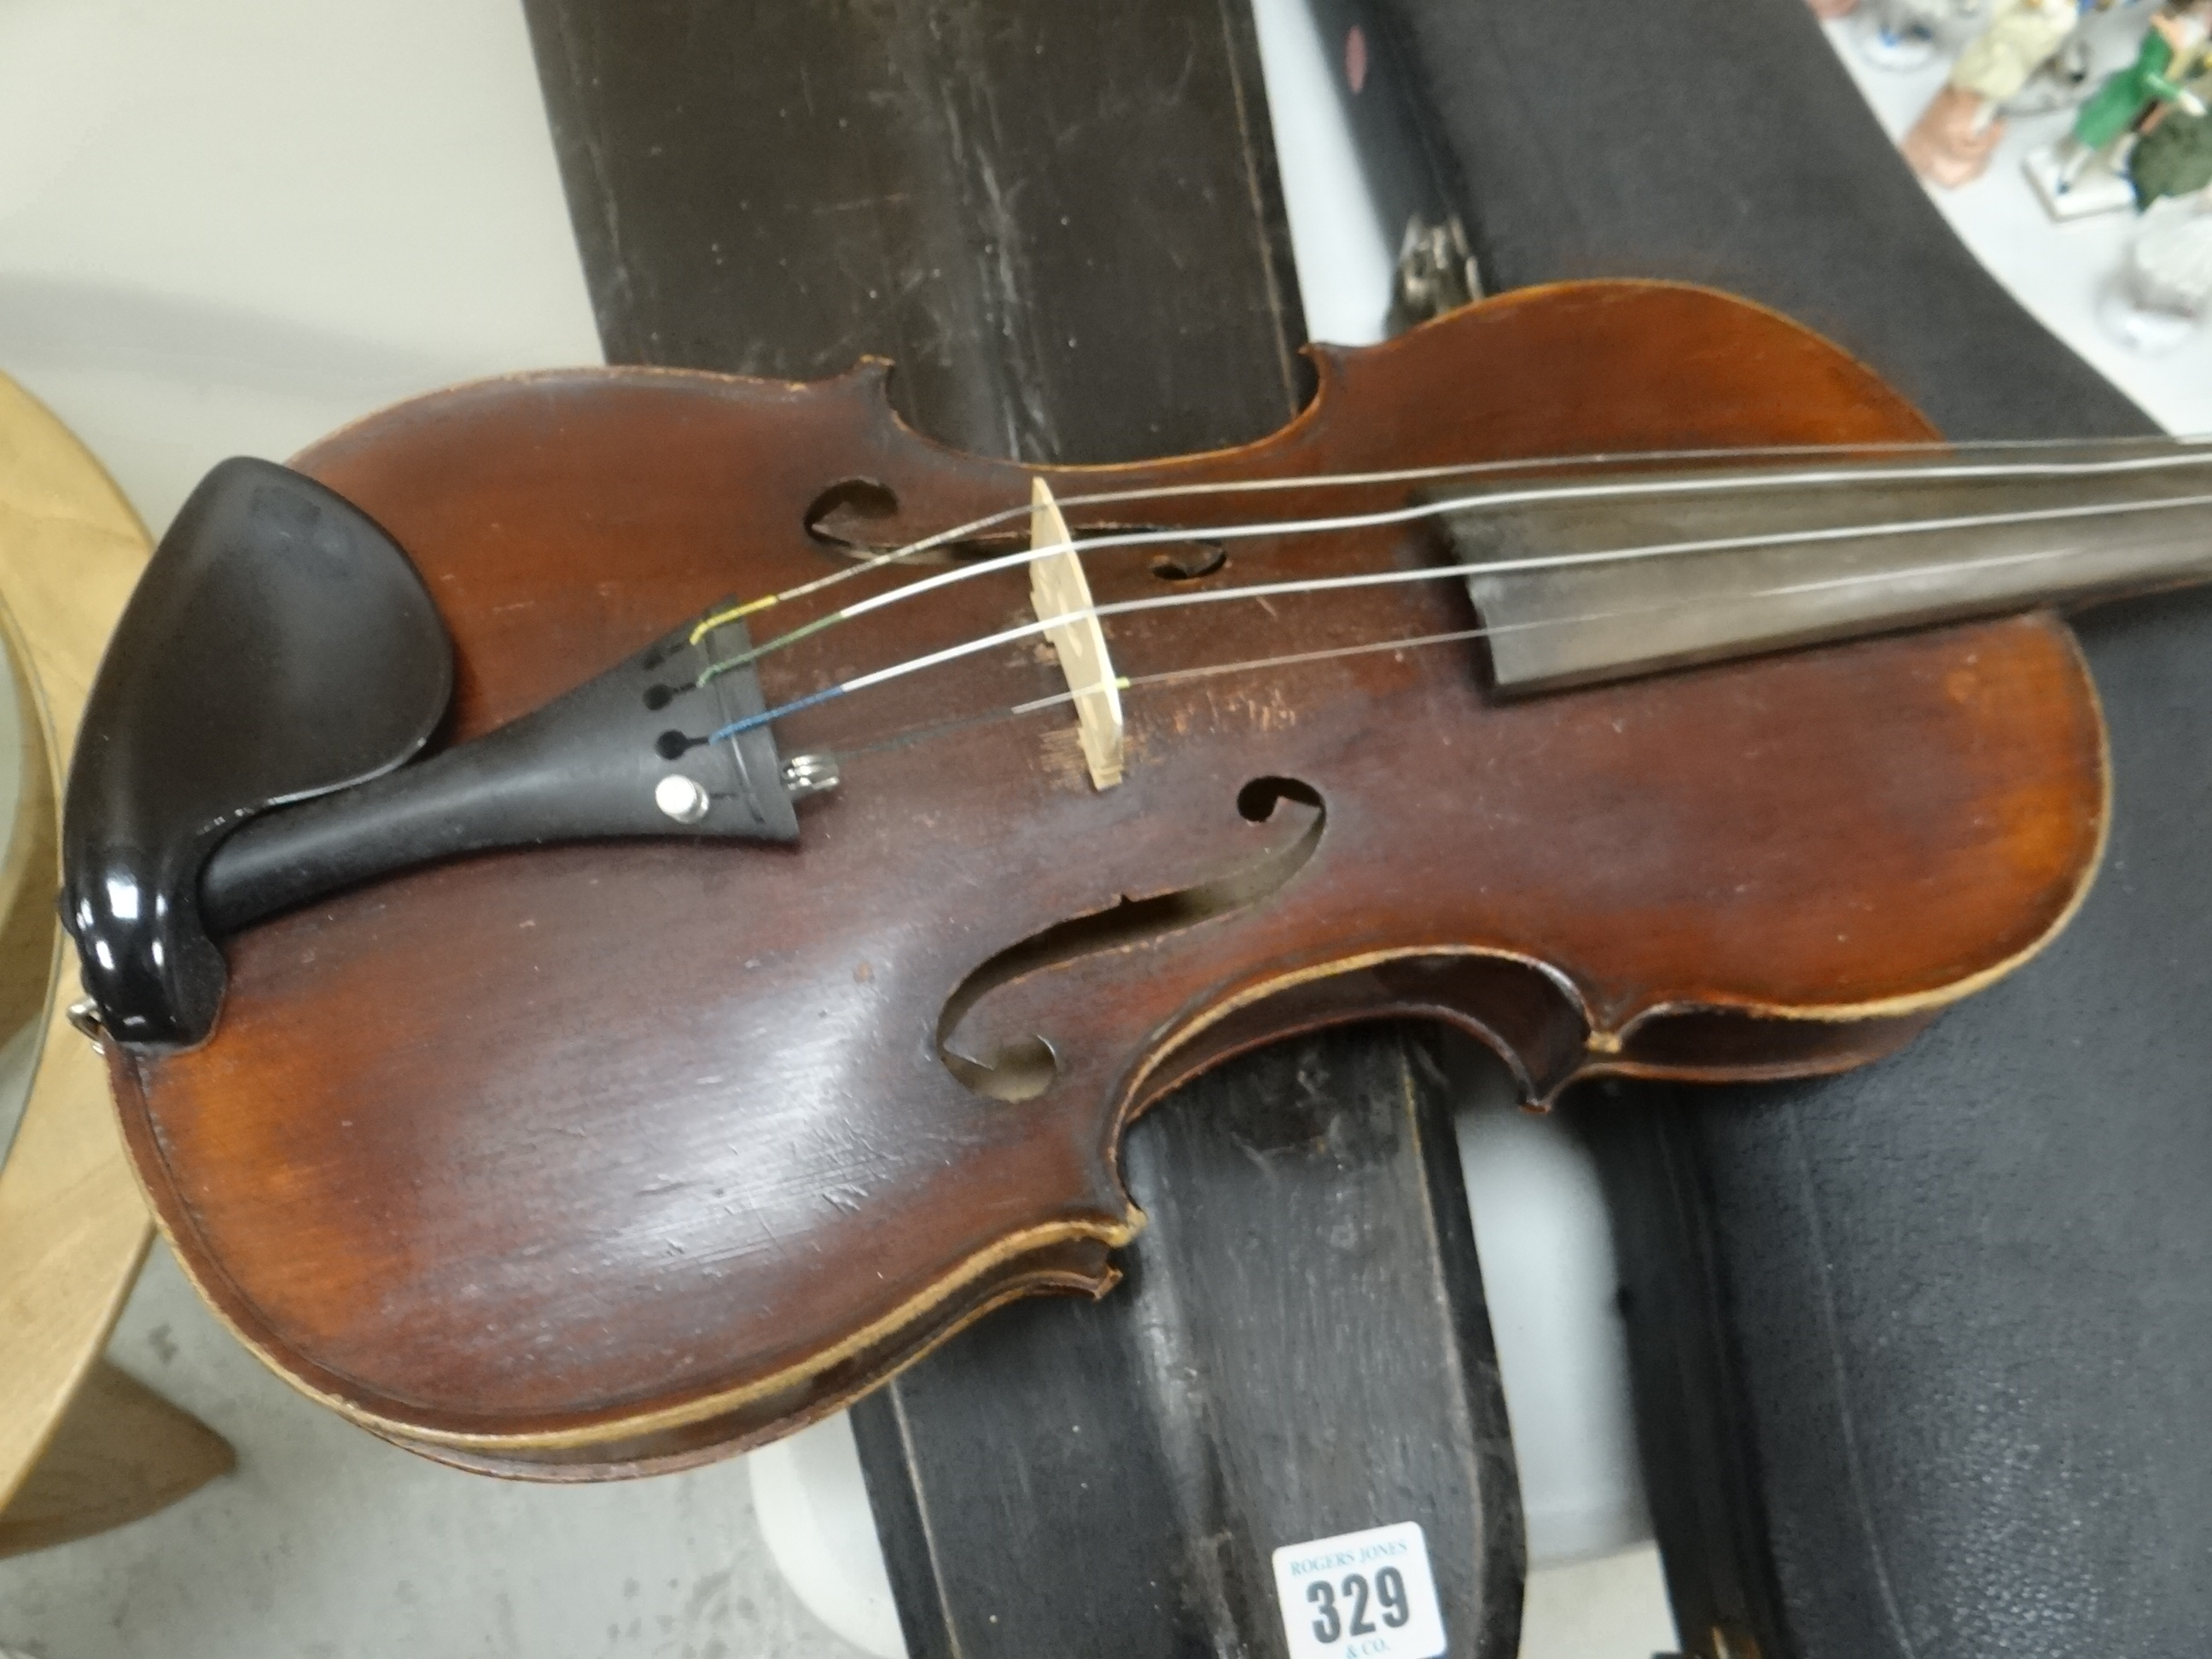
(574, 1021)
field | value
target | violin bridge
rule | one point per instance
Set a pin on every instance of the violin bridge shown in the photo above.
(1058, 588)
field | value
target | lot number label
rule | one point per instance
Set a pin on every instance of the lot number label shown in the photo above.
(1360, 1595)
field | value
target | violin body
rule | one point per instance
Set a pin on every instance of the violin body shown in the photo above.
(612, 1157)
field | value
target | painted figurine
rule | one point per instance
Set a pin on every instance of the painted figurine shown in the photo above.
(1903, 34)
(2063, 81)
(2173, 157)
(2138, 95)
(1951, 142)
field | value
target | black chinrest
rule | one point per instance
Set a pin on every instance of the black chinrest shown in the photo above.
(282, 652)
(279, 646)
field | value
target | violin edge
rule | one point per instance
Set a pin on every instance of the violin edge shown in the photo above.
(1064, 1258)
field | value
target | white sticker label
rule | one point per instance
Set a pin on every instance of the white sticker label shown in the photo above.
(1362, 1595)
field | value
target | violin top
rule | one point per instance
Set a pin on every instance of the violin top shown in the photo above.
(612, 1154)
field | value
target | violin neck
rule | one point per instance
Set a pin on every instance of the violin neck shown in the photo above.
(1624, 574)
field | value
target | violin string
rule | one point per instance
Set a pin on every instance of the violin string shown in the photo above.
(1295, 658)
(1613, 489)
(1260, 591)
(1395, 475)
(1236, 486)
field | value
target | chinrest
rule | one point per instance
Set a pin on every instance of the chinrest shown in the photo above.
(280, 646)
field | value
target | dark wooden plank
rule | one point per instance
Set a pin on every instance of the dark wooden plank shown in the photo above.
(1062, 222)
(1299, 1349)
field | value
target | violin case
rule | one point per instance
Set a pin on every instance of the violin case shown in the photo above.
(1922, 1354)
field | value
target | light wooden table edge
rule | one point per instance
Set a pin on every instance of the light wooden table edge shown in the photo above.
(74, 1226)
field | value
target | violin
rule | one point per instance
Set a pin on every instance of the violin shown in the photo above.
(624, 906)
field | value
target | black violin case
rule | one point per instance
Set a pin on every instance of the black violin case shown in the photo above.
(1922, 1355)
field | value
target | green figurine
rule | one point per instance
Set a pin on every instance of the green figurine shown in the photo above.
(2174, 157)
(2139, 94)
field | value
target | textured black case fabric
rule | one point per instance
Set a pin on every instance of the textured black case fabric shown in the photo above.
(1923, 1356)
(1719, 142)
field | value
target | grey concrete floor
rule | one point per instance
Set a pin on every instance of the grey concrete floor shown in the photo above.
(328, 1544)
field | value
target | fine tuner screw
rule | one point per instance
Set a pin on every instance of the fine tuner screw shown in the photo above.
(686, 801)
(810, 774)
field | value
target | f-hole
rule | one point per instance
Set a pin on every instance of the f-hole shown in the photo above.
(844, 516)
(1025, 1069)
(852, 519)
(1188, 561)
